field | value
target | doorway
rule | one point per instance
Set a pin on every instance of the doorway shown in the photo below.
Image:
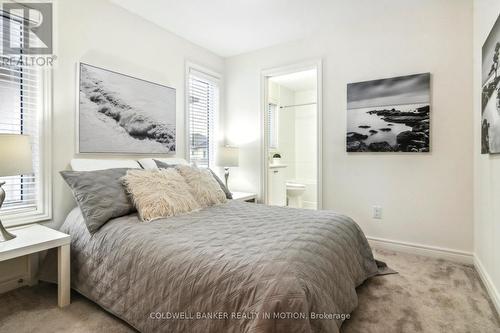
(292, 136)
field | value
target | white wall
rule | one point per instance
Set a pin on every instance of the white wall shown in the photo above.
(100, 33)
(281, 96)
(103, 34)
(296, 137)
(306, 159)
(305, 135)
(426, 198)
(486, 167)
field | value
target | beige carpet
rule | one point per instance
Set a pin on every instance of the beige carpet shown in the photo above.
(427, 296)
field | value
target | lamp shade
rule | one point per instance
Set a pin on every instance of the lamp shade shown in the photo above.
(227, 157)
(15, 155)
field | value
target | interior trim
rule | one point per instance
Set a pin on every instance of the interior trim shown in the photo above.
(266, 74)
(488, 283)
(423, 250)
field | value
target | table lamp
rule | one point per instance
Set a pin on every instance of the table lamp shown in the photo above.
(227, 157)
(15, 160)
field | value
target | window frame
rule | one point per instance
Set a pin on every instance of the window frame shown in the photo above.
(219, 79)
(43, 211)
(273, 128)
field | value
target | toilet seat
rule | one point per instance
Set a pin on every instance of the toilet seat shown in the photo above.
(295, 186)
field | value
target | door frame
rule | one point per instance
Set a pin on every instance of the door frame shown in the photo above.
(283, 70)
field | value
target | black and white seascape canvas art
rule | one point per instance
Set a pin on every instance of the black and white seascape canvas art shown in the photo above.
(389, 115)
(125, 115)
(490, 106)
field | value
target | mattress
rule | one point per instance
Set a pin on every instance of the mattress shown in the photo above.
(235, 267)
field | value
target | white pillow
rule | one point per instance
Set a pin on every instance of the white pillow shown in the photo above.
(149, 163)
(159, 193)
(91, 164)
(202, 185)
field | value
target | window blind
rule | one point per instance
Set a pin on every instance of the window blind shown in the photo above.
(19, 105)
(203, 108)
(272, 125)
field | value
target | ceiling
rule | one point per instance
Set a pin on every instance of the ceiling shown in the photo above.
(232, 27)
(299, 81)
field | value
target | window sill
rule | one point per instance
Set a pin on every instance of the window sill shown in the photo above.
(23, 218)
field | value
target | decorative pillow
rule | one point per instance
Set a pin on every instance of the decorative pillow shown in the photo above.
(149, 163)
(100, 195)
(229, 195)
(163, 165)
(159, 193)
(203, 186)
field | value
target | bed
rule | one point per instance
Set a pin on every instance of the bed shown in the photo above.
(232, 267)
(235, 267)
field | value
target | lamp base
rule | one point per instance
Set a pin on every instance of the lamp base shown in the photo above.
(4, 234)
(226, 175)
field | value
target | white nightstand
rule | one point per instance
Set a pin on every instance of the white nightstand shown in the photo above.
(35, 238)
(244, 196)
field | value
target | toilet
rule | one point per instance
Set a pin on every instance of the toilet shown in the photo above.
(294, 192)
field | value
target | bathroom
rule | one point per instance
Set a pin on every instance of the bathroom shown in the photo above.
(292, 136)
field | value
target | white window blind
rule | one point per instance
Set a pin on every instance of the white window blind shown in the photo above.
(272, 114)
(203, 99)
(20, 100)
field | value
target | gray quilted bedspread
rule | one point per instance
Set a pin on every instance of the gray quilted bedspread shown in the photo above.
(236, 267)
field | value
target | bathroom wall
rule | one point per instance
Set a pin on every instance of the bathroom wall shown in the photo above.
(296, 140)
(306, 145)
(280, 96)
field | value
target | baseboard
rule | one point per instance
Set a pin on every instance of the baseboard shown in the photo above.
(12, 284)
(18, 272)
(423, 250)
(488, 283)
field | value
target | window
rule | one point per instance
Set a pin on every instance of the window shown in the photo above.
(23, 111)
(272, 112)
(203, 109)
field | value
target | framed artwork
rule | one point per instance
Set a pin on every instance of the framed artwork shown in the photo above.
(389, 115)
(490, 96)
(120, 114)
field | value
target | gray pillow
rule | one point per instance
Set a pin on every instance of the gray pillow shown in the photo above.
(100, 195)
(229, 195)
(163, 165)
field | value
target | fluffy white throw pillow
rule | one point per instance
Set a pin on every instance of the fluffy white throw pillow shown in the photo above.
(159, 193)
(203, 186)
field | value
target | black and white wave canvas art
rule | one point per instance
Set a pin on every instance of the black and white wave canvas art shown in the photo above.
(389, 115)
(125, 115)
(490, 107)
